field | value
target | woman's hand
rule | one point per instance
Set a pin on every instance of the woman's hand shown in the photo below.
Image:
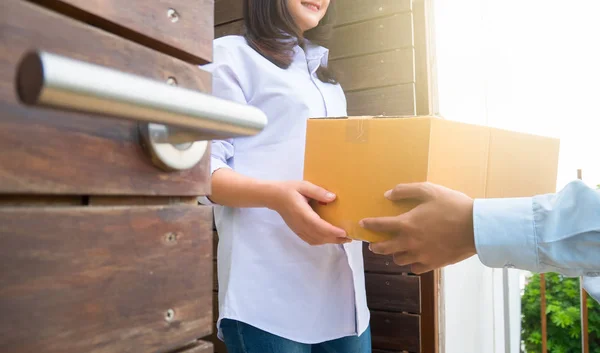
(290, 199)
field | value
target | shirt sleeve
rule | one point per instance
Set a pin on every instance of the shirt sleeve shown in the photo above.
(592, 286)
(226, 85)
(546, 233)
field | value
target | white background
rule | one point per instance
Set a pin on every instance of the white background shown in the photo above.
(524, 65)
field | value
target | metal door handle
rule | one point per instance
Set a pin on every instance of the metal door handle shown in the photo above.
(176, 123)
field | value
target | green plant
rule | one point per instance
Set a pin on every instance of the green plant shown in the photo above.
(563, 316)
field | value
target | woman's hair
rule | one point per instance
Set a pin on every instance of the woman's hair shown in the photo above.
(271, 31)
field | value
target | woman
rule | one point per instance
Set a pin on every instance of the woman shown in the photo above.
(289, 282)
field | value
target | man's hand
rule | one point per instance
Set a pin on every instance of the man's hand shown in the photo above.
(436, 233)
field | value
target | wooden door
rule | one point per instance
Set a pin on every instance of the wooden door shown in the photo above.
(100, 250)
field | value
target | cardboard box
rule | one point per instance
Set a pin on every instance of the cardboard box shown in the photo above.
(360, 158)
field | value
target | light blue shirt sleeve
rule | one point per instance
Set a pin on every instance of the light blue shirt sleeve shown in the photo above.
(226, 85)
(546, 233)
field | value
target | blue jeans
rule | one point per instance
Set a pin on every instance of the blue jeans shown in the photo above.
(243, 338)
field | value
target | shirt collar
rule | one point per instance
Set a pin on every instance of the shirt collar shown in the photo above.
(316, 52)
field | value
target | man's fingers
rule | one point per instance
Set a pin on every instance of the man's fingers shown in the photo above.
(389, 247)
(383, 224)
(405, 258)
(413, 191)
(419, 268)
(315, 192)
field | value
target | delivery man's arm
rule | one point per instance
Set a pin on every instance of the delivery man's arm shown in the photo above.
(546, 233)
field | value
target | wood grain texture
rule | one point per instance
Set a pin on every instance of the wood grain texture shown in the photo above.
(388, 33)
(197, 347)
(215, 277)
(349, 11)
(148, 23)
(219, 346)
(395, 331)
(215, 243)
(100, 280)
(424, 56)
(141, 200)
(393, 292)
(376, 70)
(430, 328)
(381, 263)
(233, 28)
(228, 11)
(215, 304)
(38, 200)
(54, 152)
(391, 101)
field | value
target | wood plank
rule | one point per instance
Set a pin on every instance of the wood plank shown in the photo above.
(54, 152)
(376, 70)
(215, 303)
(215, 277)
(380, 263)
(219, 346)
(39, 200)
(398, 293)
(391, 101)
(184, 29)
(102, 279)
(430, 317)
(215, 243)
(228, 11)
(543, 313)
(424, 56)
(395, 331)
(197, 347)
(585, 332)
(349, 11)
(233, 28)
(140, 200)
(394, 32)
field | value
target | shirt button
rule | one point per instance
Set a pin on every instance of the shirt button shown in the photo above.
(593, 274)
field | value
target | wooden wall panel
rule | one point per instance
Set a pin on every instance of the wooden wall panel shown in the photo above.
(395, 331)
(391, 292)
(388, 33)
(391, 101)
(350, 11)
(233, 28)
(228, 11)
(46, 151)
(198, 347)
(376, 70)
(430, 287)
(185, 32)
(104, 279)
(425, 77)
